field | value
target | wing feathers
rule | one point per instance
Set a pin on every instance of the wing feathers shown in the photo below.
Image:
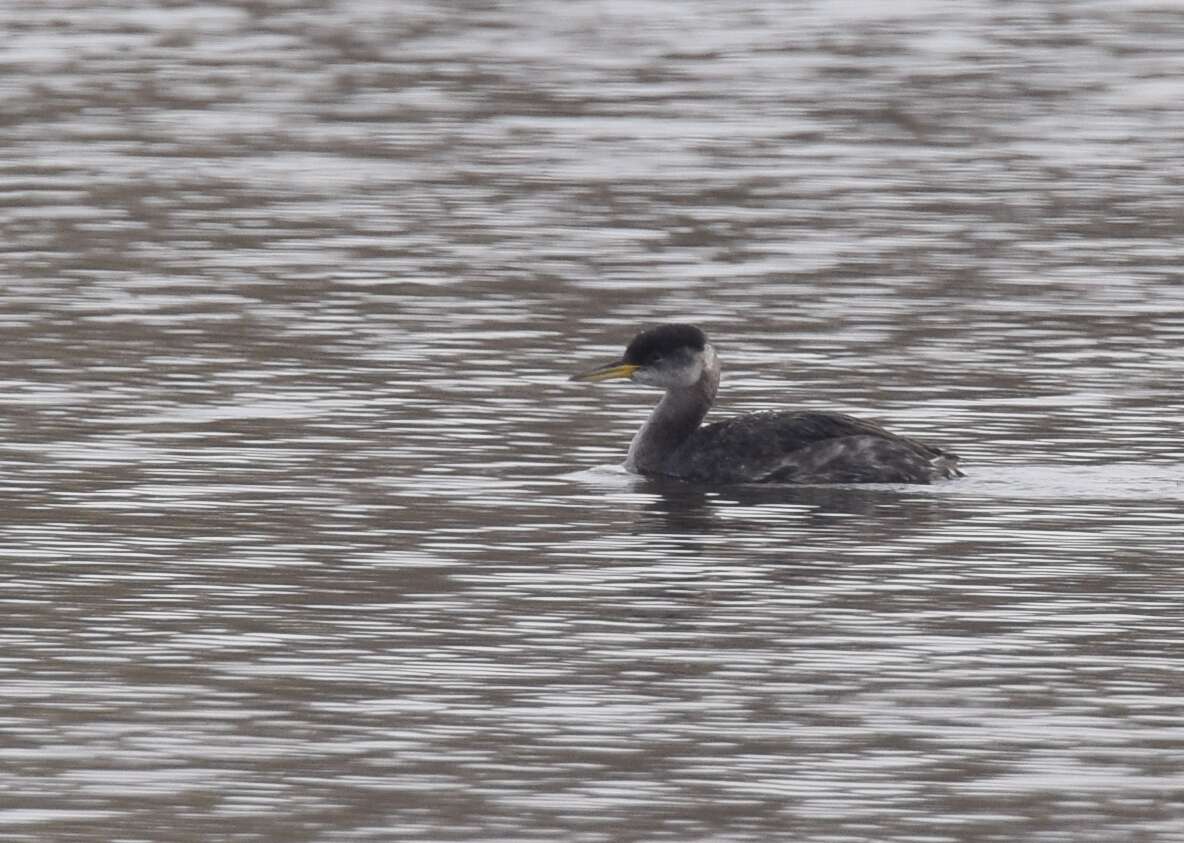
(808, 448)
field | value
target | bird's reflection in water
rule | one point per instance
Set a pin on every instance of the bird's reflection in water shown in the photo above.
(687, 508)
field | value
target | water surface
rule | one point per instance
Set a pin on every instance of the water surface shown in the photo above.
(308, 537)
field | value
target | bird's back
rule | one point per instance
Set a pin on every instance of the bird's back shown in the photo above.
(806, 447)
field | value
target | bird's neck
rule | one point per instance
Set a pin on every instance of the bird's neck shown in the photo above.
(677, 416)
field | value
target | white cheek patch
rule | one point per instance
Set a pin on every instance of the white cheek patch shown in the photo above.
(689, 376)
(675, 373)
(647, 377)
(705, 359)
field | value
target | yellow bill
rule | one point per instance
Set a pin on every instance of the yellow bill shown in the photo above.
(617, 369)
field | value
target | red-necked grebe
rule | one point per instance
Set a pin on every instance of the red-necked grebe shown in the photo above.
(769, 447)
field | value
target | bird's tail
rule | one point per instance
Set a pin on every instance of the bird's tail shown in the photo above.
(945, 465)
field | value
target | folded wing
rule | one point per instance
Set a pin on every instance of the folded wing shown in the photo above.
(807, 447)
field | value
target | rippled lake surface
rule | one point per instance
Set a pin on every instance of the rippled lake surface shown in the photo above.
(307, 537)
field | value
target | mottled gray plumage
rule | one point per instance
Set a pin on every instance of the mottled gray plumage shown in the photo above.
(805, 447)
(768, 447)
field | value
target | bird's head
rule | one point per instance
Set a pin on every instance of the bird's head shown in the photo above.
(668, 357)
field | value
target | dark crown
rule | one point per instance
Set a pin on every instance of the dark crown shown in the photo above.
(654, 343)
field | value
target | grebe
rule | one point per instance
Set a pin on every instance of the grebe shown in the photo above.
(768, 447)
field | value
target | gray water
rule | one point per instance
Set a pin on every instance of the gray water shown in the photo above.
(307, 537)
